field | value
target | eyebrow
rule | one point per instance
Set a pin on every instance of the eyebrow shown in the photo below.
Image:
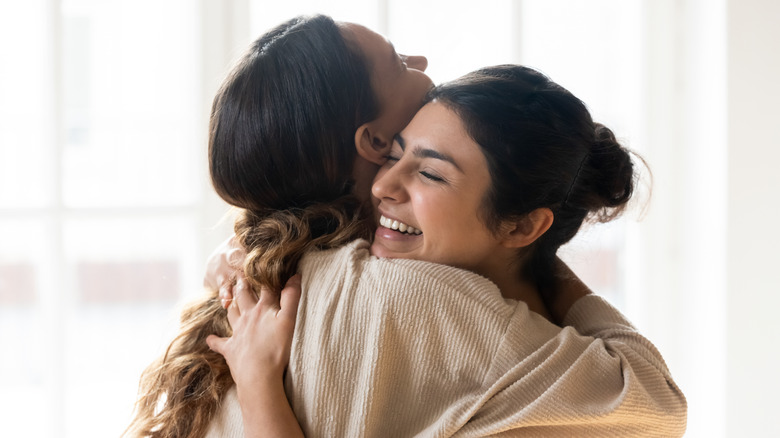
(427, 153)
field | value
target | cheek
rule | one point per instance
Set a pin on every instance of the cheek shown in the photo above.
(459, 222)
(404, 113)
(444, 215)
(410, 99)
(422, 84)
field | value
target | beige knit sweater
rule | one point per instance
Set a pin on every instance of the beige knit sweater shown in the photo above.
(401, 348)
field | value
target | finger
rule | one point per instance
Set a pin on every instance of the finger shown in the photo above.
(268, 298)
(235, 257)
(225, 295)
(226, 291)
(239, 272)
(216, 343)
(233, 313)
(243, 295)
(290, 297)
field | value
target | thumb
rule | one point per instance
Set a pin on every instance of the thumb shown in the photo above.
(290, 296)
(216, 343)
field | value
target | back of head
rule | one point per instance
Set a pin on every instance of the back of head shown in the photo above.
(281, 141)
(544, 151)
(283, 123)
(281, 147)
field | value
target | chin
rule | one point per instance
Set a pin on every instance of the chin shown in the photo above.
(380, 251)
(376, 250)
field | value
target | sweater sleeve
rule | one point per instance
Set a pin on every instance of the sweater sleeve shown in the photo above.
(597, 377)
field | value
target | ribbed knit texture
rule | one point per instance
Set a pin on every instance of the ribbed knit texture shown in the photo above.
(401, 348)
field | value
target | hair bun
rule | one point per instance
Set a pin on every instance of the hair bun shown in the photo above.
(611, 174)
(604, 136)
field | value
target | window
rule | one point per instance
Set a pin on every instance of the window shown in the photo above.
(106, 212)
(101, 188)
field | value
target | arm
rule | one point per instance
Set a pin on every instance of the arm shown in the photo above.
(599, 362)
(257, 355)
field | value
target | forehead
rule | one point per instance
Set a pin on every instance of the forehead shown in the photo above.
(435, 119)
(438, 127)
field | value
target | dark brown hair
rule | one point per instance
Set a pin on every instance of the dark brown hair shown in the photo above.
(281, 148)
(543, 151)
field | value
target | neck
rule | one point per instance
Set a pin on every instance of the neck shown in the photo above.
(513, 286)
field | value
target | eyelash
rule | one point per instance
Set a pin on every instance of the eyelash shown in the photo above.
(431, 177)
(390, 158)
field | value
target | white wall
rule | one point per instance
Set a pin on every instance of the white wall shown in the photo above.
(753, 296)
(710, 292)
(679, 287)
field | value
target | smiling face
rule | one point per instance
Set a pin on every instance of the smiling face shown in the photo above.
(435, 181)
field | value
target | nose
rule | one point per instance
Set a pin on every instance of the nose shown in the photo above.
(387, 185)
(417, 62)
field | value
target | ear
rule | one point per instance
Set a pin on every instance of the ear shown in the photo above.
(370, 145)
(525, 231)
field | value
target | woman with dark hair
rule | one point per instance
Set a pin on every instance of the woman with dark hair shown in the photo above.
(498, 170)
(382, 346)
(282, 146)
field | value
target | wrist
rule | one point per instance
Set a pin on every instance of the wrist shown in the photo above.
(260, 393)
(262, 379)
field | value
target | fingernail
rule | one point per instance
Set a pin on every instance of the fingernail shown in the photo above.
(231, 257)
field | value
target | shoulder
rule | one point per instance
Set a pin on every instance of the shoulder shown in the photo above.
(592, 314)
(356, 255)
(351, 253)
(408, 278)
(349, 274)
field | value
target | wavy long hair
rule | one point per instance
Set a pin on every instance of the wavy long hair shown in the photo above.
(281, 149)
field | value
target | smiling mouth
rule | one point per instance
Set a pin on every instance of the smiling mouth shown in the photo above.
(398, 226)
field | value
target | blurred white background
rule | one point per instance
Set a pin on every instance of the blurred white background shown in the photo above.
(107, 215)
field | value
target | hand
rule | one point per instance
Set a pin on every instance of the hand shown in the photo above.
(259, 350)
(224, 273)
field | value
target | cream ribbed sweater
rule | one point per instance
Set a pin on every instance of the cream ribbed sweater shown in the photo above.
(400, 348)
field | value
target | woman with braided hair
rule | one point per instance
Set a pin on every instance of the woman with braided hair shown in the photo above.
(408, 343)
(282, 147)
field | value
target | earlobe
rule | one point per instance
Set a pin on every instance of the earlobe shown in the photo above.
(524, 232)
(370, 146)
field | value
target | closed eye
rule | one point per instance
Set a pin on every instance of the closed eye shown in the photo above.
(431, 176)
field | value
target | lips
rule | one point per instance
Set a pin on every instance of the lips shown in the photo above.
(398, 226)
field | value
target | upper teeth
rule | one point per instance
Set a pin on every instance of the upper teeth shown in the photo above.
(400, 226)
